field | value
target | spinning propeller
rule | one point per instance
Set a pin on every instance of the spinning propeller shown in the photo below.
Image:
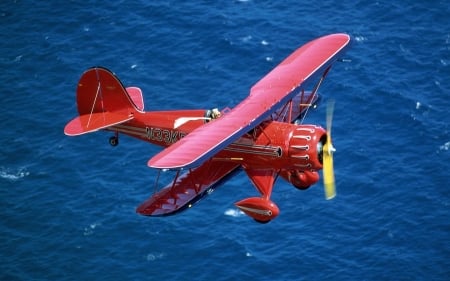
(328, 150)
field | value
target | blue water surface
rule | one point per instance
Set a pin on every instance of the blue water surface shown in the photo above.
(68, 204)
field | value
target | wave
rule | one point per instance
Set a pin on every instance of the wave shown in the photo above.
(445, 146)
(234, 213)
(11, 175)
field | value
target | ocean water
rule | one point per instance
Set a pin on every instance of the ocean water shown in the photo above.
(68, 204)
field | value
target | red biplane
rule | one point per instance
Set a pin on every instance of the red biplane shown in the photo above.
(264, 134)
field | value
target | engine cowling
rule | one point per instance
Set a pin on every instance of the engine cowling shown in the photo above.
(305, 147)
(305, 152)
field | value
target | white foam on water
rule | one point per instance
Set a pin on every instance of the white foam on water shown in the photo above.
(234, 213)
(12, 175)
(89, 230)
(155, 256)
(445, 146)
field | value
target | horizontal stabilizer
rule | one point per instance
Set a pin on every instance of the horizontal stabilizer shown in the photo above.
(93, 122)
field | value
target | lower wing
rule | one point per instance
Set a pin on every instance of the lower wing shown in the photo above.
(187, 189)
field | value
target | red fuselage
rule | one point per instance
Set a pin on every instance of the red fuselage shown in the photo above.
(286, 147)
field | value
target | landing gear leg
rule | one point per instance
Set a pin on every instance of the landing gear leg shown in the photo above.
(114, 140)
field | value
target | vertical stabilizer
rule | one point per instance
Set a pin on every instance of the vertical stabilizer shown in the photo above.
(102, 102)
(99, 90)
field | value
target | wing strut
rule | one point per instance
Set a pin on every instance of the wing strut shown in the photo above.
(155, 189)
(290, 111)
(314, 92)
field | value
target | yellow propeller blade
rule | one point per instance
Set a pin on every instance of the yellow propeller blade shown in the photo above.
(328, 176)
(328, 150)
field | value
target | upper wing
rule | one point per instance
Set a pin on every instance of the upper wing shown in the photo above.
(266, 96)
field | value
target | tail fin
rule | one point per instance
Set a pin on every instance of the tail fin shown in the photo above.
(102, 102)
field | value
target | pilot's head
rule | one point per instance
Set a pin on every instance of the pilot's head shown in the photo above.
(215, 113)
